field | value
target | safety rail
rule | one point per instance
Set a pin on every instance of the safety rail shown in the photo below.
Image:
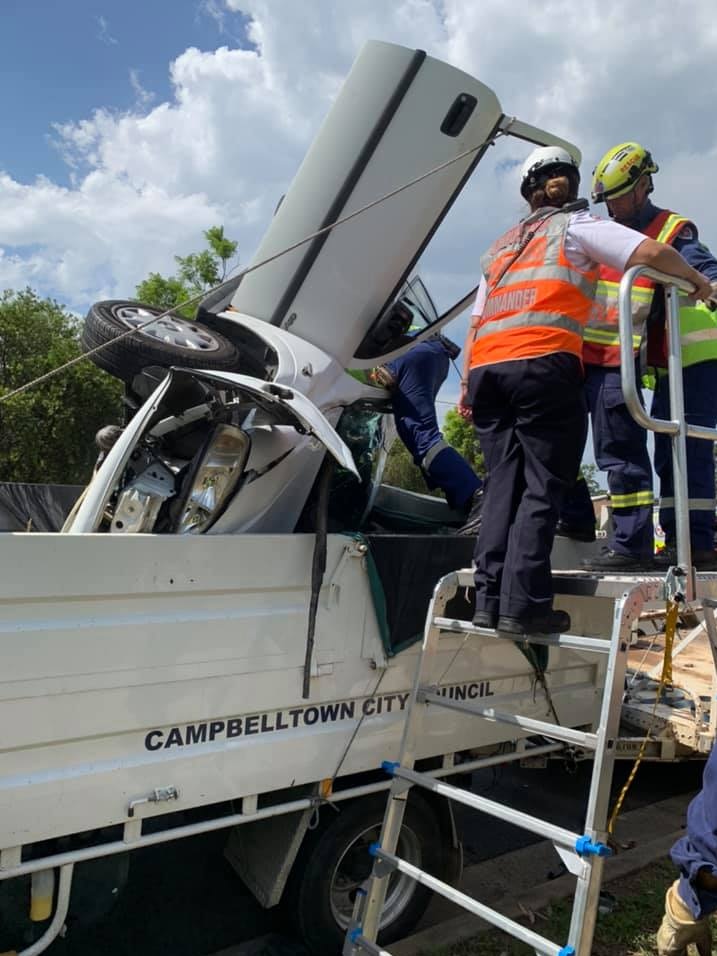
(677, 427)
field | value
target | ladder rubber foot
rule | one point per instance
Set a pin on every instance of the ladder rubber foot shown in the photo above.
(584, 846)
(390, 766)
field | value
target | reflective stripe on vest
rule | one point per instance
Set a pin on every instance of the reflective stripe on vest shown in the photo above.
(602, 339)
(537, 301)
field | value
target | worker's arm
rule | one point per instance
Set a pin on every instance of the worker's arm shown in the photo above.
(463, 406)
(658, 255)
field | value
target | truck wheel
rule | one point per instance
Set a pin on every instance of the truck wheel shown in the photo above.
(334, 862)
(173, 340)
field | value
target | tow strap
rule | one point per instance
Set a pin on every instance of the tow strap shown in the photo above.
(672, 614)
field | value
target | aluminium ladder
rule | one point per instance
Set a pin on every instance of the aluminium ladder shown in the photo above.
(582, 853)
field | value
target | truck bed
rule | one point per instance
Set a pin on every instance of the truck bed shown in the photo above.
(141, 663)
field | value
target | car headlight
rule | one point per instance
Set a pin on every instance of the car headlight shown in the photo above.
(215, 478)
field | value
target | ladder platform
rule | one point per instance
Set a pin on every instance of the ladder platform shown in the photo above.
(539, 943)
(579, 738)
(574, 642)
(580, 844)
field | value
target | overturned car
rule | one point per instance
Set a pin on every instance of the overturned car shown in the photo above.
(291, 327)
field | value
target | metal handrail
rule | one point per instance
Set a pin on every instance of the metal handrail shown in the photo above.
(676, 427)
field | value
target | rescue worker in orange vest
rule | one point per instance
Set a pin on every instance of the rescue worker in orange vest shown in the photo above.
(523, 381)
(623, 179)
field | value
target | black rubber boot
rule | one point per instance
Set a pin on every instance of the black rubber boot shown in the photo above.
(554, 622)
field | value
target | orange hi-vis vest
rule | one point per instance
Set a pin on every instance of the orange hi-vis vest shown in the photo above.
(537, 301)
(602, 339)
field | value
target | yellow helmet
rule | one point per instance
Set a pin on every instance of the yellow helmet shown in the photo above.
(619, 170)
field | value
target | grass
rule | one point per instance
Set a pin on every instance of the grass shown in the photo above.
(629, 930)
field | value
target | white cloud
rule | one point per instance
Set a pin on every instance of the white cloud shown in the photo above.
(224, 147)
(104, 34)
(216, 10)
(143, 97)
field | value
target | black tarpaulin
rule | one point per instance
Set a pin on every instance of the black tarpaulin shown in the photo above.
(405, 570)
(35, 507)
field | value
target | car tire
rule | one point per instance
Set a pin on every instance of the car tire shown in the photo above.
(334, 861)
(173, 341)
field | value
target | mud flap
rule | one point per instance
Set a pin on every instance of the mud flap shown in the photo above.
(263, 853)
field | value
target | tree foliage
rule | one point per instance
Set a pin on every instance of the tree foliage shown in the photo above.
(461, 434)
(47, 433)
(401, 472)
(196, 274)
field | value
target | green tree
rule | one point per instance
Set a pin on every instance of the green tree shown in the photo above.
(47, 433)
(401, 472)
(461, 434)
(196, 273)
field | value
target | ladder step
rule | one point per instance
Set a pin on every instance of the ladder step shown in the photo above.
(572, 642)
(580, 738)
(549, 831)
(534, 940)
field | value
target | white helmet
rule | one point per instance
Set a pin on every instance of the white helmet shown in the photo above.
(539, 160)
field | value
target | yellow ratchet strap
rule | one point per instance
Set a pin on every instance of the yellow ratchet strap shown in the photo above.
(671, 616)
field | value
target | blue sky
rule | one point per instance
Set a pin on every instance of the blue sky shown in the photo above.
(60, 61)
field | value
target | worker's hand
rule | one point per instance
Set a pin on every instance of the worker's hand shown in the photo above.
(463, 407)
(679, 928)
(712, 301)
(704, 288)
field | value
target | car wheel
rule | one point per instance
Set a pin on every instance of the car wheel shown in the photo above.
(335, 861)
(172, 340)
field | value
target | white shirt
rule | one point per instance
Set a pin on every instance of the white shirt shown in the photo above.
(589, 241)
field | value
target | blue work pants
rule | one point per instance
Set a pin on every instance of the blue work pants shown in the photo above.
(419, 375)
(700, 396)
(697, 849)
(620, 448)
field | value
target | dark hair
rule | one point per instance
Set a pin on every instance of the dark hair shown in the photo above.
(535, 195)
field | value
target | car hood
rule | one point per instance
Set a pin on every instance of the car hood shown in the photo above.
(286, 405)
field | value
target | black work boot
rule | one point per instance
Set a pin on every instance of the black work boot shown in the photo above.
(551, 622)
(484, 618)
(612, 562)
(474, 517)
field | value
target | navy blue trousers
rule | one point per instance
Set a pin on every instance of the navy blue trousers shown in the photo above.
(620, 447)
(419, 375)
(700, 395)
(531, 420)
(697, 849)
